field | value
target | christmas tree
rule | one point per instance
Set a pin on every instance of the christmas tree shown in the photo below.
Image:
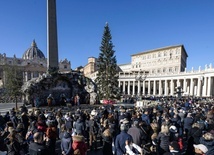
(107, 77)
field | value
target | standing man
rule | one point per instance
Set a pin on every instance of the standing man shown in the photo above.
(37, 147)
(121, 139)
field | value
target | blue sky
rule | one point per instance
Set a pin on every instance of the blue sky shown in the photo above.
(136, 26)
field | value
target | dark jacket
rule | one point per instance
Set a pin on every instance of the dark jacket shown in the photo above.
(163, 140)
(209, 144)
(13, 148)
(66, 143)
(195, 133)
(79, 126)
(137, 135)
(188, 121)
(37, 149)
(107, 142)
(120, 142)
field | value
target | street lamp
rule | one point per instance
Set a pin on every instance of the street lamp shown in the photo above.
(140, 75)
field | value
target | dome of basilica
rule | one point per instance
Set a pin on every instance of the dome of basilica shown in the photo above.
(33, 52)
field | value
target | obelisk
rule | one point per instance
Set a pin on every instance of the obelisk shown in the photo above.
(52, 44)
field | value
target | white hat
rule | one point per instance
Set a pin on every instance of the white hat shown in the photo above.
(93, 112)
(173, 129)
(201, 147)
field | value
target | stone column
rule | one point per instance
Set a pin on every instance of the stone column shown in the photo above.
(133, 88)
(205, 87)
(144, 87)
(124, 84)
(160, 88)
(172, 87)
(184, 85)
(166, 88)
(52, 44)
(199, 87)
(178, 83)
(128, 88)
(149, 87)
(209, 87)
(154, 88)
(191, 86)
(138, 88)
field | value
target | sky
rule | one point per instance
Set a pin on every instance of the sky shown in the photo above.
(135, 25)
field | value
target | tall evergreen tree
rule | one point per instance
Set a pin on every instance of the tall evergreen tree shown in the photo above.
(14, 82)
(107, 77)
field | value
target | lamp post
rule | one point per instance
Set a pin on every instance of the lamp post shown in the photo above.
(140, 76)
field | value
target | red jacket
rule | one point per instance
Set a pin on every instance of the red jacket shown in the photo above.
(79, 144)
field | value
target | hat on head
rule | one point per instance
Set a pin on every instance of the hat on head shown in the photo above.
(201, 147)
(175, 145)
(124, 127)
(173, 129)
(93, 112)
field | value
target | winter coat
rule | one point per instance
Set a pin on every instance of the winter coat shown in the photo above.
(66, 143)
(120, 142)
(209, 144)
(195, 133)
(37, 149)
(163, 140)
(79, 144)
(13, 148)
(79, 127)
(146, 119)
(188, 121)
(137, 135)
(107, 142)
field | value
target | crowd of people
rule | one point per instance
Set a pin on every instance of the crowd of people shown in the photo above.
(168, 128)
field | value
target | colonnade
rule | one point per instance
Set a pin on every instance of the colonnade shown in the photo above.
(166, 86)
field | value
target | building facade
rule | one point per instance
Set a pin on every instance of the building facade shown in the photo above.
(32, 64)
(160, 72)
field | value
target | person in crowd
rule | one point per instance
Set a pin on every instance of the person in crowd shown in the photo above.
(13, 146)
(173, 149)
(200, 149)
(120, 141)
(107, 140)
(51, 134)
(208, 140)
(137, 134)
(173, 133)
(195, 133)
(79, 146)
(133, 149)
(13, 118)
(66, 144)
(145, 117)
(163, 139)
(25, 122)
(188, 121)
(21, 139)
(93, 130)
(38, 147)
(79, 126)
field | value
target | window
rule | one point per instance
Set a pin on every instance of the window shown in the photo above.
(65, 66)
